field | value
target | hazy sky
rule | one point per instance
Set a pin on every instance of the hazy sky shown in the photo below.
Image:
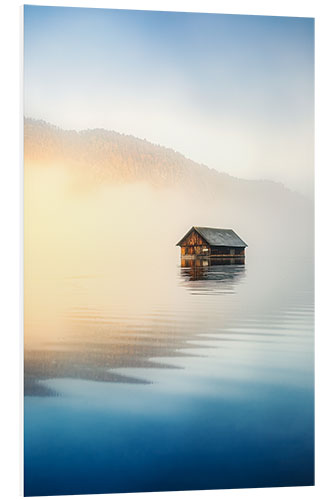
(232, 92)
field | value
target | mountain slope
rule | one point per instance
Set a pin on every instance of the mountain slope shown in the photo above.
(264, 211)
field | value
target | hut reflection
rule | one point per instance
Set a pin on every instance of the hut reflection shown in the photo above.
(209, 275)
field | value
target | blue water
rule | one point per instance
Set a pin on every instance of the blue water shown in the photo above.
(206, 384)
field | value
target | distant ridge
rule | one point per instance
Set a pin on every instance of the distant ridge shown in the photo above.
(109, 155)
(270, 216)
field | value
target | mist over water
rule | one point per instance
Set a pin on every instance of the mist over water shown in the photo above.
(141, 375)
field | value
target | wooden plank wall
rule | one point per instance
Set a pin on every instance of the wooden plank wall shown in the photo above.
(194, 245)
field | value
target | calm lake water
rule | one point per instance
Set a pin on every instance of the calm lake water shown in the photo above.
(156, 377)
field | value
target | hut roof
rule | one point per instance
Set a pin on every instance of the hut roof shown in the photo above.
(217, 237)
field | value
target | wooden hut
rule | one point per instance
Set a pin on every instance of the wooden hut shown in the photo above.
(211, 242)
